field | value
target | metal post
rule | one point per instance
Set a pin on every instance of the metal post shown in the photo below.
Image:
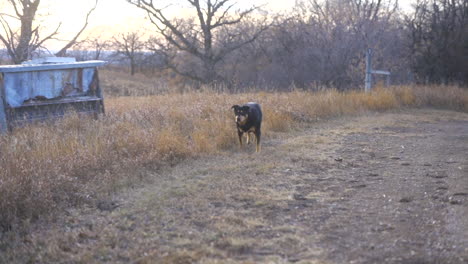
(3, 119)
(368, 83)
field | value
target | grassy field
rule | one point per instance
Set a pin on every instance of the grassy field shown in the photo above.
(76, 161)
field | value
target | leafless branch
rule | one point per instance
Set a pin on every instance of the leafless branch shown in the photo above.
(200, 39)
(73, 41)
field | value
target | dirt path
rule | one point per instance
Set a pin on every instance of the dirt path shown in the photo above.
(382, 188)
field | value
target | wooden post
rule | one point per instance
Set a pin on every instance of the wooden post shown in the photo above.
(368, 82)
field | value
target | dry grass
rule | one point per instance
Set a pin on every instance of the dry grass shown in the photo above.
(75, 160)
(445, 97)
(120, 83)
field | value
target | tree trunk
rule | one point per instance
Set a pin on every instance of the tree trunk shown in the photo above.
(132, 67)
(22, 50)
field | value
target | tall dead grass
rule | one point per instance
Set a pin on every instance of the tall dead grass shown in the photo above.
(120, 83)
(46, 167)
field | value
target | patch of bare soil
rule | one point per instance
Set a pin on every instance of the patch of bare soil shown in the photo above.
(381, 188)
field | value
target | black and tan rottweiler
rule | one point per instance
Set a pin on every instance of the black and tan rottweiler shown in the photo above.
(249, 120)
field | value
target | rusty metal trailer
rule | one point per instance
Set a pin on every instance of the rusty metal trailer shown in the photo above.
(33, 92)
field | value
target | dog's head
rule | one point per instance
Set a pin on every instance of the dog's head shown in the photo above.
(241, 113)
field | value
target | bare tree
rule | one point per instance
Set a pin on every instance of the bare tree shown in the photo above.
(198, 36)
(130, 46)
(92, 48)
(74, 40)
(21, 45)
(439, 41)
(97, 46)
(321, 44)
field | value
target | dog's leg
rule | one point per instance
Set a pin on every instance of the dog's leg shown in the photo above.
(239, 133)
(257, 137)
(248, 138)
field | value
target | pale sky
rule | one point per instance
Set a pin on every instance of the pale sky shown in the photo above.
(118, 16)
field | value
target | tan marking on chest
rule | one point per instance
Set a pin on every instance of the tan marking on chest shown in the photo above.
(252, 129)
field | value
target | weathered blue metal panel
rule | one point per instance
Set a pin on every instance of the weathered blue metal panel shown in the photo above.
(35, 92)
(87, 78)
(3, 118)
(23, 86)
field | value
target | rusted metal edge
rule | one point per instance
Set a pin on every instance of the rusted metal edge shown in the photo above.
(47, 67)
(62, 100)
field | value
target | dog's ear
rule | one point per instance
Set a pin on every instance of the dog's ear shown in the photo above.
(246, 108)
(235, 107)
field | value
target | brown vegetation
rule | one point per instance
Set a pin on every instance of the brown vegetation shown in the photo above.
(75, 161)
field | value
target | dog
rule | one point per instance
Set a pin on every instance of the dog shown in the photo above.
(248, 120)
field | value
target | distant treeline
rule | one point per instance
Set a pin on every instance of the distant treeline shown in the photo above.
(319, 44)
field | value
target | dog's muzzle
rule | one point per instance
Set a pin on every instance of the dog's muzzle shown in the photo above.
(240, 119)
